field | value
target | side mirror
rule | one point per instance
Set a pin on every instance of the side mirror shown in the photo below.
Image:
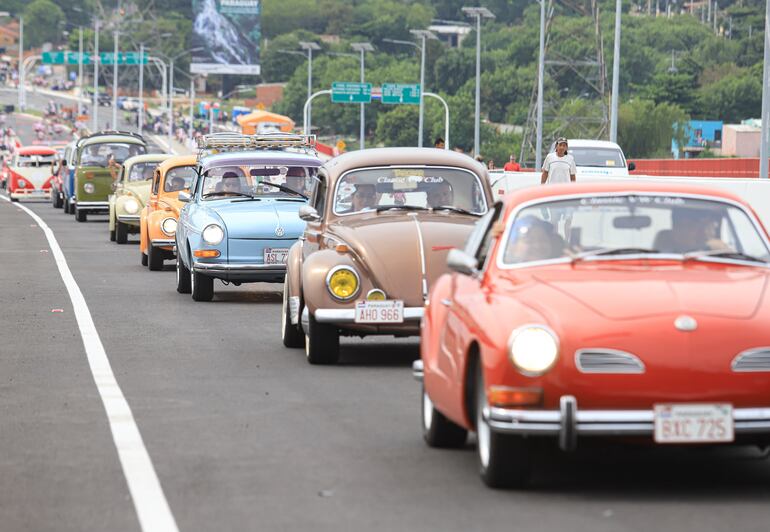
(308, 213)
(631, 167)
(184, 197)
(460, 262)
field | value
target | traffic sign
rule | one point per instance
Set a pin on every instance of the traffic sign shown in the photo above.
(65, 58)
(351, 92)
(124, 58)
(394, 93)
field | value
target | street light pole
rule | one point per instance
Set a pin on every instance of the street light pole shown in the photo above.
(309, 46)
(540, 75)
(21, 63)
(80, 71)
(763, 146)
(95, 109)
(170, 103)
(615, 76)
(424, 35)
(362, 47)
(191, 129)
(478, 13)
(140, 117)
(115, 84)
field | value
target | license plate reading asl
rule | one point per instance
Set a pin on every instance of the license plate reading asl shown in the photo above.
(694, 423)
(275, 255)
(380, 311)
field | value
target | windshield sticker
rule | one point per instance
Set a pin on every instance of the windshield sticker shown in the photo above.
(609, 162)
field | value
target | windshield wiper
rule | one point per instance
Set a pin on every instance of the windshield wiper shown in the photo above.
(381, 208)
(604, 252)
(283, 188)
(454, 209)
(723, 254)
(227, 193)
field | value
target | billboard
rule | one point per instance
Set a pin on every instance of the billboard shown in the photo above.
(226, 34)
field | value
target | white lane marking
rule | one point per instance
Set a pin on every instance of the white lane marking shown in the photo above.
(149, 501)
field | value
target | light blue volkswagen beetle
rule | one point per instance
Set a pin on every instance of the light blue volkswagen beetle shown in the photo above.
(240, 217)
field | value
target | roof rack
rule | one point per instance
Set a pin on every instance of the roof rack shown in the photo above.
(112, 132)
(230, 141)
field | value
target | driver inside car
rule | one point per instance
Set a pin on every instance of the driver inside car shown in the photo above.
(364, 197)
(230, 183)
(440, 195)
(691, 230)
(533, 239)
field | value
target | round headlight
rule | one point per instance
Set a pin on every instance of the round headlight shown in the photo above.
(213, 234)
(131, 206)
(168, 226)
(533, 349)
(375, 294)
(343, 282)
(89, 188)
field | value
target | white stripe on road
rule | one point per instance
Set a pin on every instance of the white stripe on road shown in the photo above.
(149, 501)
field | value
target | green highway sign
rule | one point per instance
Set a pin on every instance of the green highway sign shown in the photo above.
(124, 58)
(65, 58)
(351, 92)
(393, 93)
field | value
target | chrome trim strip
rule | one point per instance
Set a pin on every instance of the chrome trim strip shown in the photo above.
(740, 364)
(128, 217)
(93, 203)
(624, 363)
(348, 315)
(159, 243)
(208, 267)
(423, 268)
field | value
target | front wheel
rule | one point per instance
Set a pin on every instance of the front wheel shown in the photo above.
(183, 282)
(291, 334)
(56, 199)
(322, 343)
(504, 459)
(155, 258)
(14, 200)
(80, 216)
(144, 259)
(66, 206)
(437, 430)
(121, 232)
(201, 287)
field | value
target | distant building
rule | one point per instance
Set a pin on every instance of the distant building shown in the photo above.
(450, 33)
(9, 37)
(703, 135)
(741, 140)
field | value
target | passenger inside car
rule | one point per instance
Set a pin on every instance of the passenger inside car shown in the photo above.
(691, 230)
(296, 179)
(175, 184)
(364, 197)
(533, 239)
(440, 194)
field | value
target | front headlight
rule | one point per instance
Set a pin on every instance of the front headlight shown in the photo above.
(131, 206)
(343, 282)
(89, 188)
(213, 234)
(533, 349)
(168, 226)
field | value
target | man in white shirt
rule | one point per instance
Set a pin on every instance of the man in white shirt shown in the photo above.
(559, 166)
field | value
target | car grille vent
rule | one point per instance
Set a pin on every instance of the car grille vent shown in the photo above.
(753, 360)
(597, 360)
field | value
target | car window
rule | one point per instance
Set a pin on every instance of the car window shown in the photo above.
(426, 187)
(34, 161)
(266, 181)
(477, 243)
(142, 171)
(319, 198)
(598, 157)
(99, 154)
(156, 181)
(179, 178)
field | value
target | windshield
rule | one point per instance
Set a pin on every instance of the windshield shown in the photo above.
(599, 157)
(100, 154)
(141, 171)
(179, 178)
(257, 181)
(30, 161)
(630, 225)
(371, 189)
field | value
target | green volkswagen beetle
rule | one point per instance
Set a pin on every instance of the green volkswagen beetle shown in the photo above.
(97, 165)
(131, 192)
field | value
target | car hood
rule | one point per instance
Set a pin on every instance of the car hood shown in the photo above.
(139, 189)
(268, 219)
(630, 292)
(391, 247)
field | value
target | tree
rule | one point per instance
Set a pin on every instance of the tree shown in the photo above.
(734, 97)
(646, 129)
(42, 23)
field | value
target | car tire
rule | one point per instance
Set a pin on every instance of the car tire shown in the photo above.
(183, 278)
(291, 335)
(155, 258)
(437, 430)
(201, 287)
(121, 232)
(112, 235)
(66, 206)
(56, 200)
(322, 343)
(14, 200)
(80, 216)
(144, 259)
(504, 459)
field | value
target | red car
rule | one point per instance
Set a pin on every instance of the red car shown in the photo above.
(591, 310)
(30, 172)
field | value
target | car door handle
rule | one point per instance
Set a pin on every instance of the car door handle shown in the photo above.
(446, 302)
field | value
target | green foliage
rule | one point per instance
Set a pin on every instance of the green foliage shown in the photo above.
(40, 17)
(733, 97)
(645, 129)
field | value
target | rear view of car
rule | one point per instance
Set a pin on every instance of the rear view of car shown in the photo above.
(30, 172)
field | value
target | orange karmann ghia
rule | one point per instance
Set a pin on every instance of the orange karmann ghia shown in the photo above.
(159, 217)
(596, 310)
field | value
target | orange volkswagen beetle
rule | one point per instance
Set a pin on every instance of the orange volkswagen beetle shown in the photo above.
(599, 310)
(159, 217)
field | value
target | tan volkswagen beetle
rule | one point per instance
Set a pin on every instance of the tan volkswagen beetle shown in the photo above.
(380, 223)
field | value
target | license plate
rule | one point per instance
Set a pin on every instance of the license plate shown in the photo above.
(275, 255)
(694, 423)
(391, 311)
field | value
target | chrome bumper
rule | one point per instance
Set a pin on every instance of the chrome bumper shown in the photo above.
(348, 315)
(92, 206)
(224, 268)
(568, 422)
(128, 218)
(162, 243)
(26, 193)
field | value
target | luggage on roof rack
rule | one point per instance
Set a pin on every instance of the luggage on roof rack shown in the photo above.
(231, 141)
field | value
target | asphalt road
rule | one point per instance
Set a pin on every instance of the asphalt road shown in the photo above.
(245, 435)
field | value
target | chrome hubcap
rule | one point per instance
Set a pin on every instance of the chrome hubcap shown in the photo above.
(427, 411)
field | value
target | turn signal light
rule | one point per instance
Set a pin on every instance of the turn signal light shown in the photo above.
(341, 248)
(206, 253)
(504, 396)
